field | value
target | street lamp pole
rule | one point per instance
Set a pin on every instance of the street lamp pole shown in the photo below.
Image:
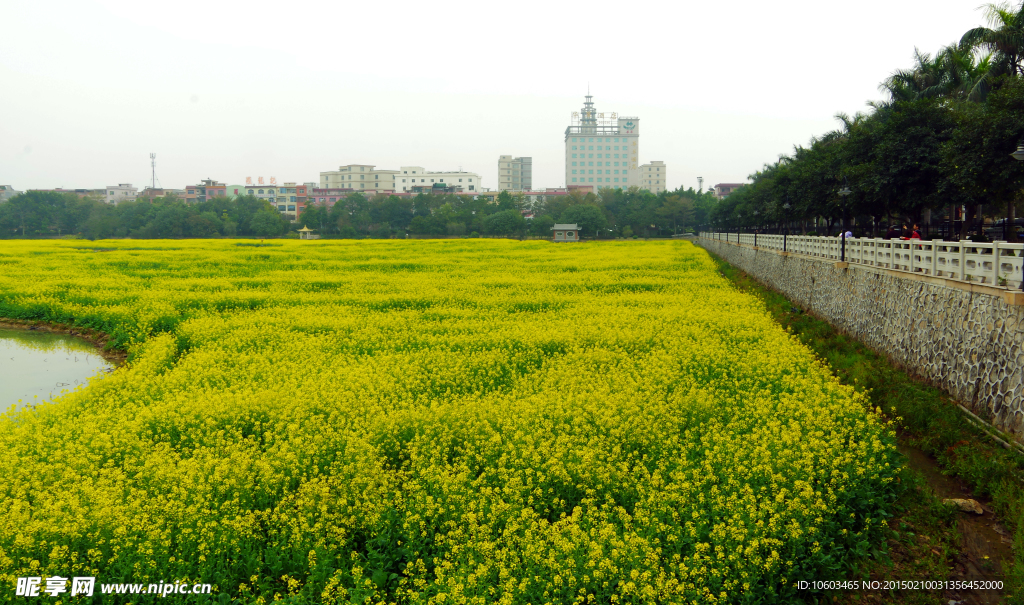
(845, 191)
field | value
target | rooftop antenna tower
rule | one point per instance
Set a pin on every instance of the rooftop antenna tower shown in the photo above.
(152, 162)
(588, 117)
(700, 184)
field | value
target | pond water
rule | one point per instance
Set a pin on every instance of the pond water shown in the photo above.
(35, 366)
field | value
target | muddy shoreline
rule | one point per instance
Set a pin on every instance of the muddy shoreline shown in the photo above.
(98, 339)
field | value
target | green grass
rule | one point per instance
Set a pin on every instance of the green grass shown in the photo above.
(929, 420)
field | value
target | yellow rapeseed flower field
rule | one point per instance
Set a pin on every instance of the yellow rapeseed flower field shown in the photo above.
(446, 421)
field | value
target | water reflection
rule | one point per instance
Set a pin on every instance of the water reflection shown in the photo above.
(36, 366)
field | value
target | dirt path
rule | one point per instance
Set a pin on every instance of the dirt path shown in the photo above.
(986, 548)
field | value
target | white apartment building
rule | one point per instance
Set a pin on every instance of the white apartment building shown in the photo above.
(122, 192)
(515, 174)
(654, 177)
(359, 177)
(601, 149)
(410, 176)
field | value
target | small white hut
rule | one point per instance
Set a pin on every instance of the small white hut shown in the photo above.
(569, 232)
(307, 233)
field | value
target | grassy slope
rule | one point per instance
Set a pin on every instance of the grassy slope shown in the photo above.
(930, 422)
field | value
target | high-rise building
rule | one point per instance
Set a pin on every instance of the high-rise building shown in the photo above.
(601, 149)
(654, 177)
(515, 174)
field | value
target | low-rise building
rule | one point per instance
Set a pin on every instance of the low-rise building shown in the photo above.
(234, 190)
(654, 177)
(96, 193)
(722, 190)
(7, 192)
(328, 196)
(531, 198)
(122, 192)
(565, 232)
(515, 174)
(359, 177)
(461, 181)
(204, 191)
(153, 192)
(289, 199)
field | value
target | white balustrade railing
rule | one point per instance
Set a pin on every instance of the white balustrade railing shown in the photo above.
(997, 264)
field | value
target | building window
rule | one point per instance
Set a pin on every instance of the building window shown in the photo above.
(574, 179)
(470, 180)
(261, 192)
(574, 172)
(471, 187)
(591, 180)
(591, 140)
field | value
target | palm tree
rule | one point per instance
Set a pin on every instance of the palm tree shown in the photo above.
(1005, 38)
(924, 80)
(956, 71)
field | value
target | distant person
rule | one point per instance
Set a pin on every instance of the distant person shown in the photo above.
(848, 235)
(892, 233)
(914, 233)
(904, 233)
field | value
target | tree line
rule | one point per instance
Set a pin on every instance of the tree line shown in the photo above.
(607, 213)
(936, 150)
(47, 213)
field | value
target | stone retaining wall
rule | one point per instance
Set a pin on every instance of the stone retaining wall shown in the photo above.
(964, 339)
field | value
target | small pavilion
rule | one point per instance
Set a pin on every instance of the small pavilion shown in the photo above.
(307, 233)
(568, 232)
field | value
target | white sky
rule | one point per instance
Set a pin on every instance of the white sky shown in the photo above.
(225, 90)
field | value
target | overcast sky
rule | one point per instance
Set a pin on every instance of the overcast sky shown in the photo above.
(226, 90)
